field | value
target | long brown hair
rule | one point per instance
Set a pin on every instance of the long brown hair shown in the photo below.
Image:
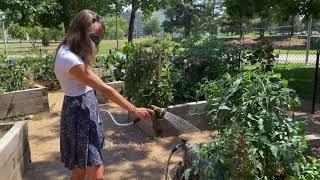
(85, 24)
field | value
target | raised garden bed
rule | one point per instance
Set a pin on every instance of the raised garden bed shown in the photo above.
(27, 101)
(163, 128)
(14, 152)
(117, 85)
(4, 128)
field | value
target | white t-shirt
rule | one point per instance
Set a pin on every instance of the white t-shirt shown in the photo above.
(65, 60)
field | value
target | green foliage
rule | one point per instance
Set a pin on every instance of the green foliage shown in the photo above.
(116, 61)
(257, 137)
(43, 71)
(46, 13)
(148, 75)
(35, 33)
(199, 60)
(13, 75)
(261, 53)
(45, 37)
(315, 43)
(56, 34)
(152, 26)
(17, 31)
(111, 30)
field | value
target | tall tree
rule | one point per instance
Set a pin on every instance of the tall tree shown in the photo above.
(240, 11)
(181, 15)
(72, 7)
(263, 11)
(32, 12)
(152, 26)
(147, 7)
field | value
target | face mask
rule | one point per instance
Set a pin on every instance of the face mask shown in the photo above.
(96, 40)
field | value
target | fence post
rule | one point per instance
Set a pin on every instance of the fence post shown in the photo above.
(315, 87)
(309, 38)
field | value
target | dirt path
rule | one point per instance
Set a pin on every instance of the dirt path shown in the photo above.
(128, 152)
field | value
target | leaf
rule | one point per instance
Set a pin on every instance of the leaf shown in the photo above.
(186, 173)
(223, 107)
(260, 122)
(274, 150)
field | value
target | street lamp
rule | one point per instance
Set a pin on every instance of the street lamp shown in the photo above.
(2, 19)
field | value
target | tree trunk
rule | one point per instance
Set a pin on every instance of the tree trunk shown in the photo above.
(241, 31)
(189, 15)
(292, 26)
(132, 18)
(66, 15)
(262, 27)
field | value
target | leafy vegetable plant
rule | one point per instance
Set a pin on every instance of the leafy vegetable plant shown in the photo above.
(258, 139)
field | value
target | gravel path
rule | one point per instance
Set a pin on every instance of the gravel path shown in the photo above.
(128, 154)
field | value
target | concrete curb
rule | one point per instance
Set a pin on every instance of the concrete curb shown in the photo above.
(14, 152)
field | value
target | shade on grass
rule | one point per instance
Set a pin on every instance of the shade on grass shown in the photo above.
(300, 77)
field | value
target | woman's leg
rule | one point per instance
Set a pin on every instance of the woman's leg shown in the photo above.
(78, 174)
(95, 172)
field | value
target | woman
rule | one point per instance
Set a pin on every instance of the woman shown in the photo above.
(81, 137)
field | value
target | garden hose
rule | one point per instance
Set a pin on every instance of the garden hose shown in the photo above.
(120, 124)
(178, 146)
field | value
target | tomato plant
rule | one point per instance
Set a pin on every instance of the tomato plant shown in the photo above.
(258, 138)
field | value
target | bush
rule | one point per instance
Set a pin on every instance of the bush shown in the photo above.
(257, 137)
(13, 75)
(35, 33)
(43, 71)
(261, 53)
(198, 60)
(148, 75)
(315, 43)
(115, 61)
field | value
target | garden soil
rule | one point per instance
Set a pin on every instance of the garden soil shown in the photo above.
(128, 152)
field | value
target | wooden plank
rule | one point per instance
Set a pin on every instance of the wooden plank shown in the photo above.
(25, 101)
(30, 109)
(29, 102)
(37, 92)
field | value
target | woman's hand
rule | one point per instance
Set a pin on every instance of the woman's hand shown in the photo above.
(143, 113)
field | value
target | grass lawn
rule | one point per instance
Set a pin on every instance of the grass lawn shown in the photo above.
(277, 51)
(299, 76)
(25, 48)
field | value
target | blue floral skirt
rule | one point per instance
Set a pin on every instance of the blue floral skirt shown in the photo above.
(81, 135)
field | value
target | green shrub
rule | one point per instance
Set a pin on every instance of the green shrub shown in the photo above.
(148, 75)
(315, 43)
(13, 75)
(199, 60)
(43, 71)
(261, 53)
(257, 137)
(116, 61)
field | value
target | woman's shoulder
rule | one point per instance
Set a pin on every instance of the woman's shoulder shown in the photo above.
(64, 53)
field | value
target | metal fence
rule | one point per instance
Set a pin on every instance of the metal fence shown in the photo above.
(296, 57)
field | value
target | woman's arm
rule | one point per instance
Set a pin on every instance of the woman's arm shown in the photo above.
(85, 75)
